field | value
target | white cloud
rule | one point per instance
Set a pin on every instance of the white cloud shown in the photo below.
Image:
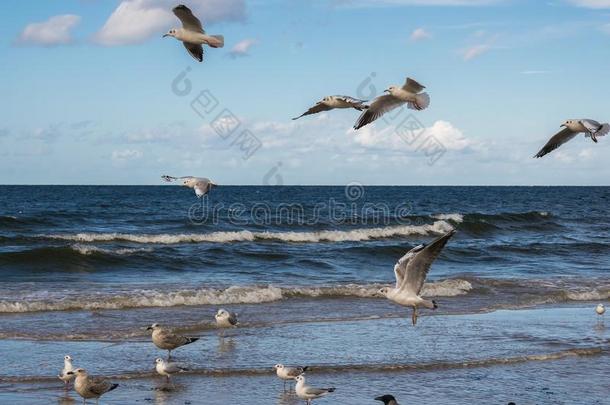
(443, 132)
(242, 48)
(419, 34)
(475, 51)
(360, 3)
(135, 21)
(126, 155)
(590, 3)
(57, 30)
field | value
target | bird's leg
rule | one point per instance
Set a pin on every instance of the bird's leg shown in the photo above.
(169, 354)
(284, 385)
(414, 317)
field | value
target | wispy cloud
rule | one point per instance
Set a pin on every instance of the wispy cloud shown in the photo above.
(475, 51)
(480, 48)
(126, 155)
(57, 30)
(535, 72)
(242, 48)
(135, 21)
(419, 34)
(597, 4)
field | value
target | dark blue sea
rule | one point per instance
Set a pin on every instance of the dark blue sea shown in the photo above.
(84, 267)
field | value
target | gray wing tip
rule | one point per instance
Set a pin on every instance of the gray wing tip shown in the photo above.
(113, 386)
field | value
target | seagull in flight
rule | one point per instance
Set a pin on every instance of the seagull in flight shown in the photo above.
(411, 271)
(331, 102)
(201, 185)
(192, 34)
(410, 93)
(591, 128)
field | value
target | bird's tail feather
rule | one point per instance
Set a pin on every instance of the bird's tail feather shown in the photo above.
(605, 128)
(192, 340)
(422, 101)
(220, 43)
(113, 386)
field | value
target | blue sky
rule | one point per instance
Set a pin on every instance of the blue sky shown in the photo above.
(88, 96)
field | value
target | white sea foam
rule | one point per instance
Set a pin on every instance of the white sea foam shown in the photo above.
(89, 250)
(457, 218)
(210, 296)
(361, 234)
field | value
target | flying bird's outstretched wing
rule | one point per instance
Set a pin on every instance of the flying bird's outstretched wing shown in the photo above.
(400, 268)
(319, 107)
(419, 265)
(189, 21)
(378, 107)
(196, 50)
(556, 141)
(350, 100)
(412, 86)
(169, 179)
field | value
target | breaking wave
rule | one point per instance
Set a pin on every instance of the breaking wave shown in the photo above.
(361, 234)
(211, 296)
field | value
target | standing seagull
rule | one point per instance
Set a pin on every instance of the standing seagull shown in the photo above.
(166, 368)
(309, 393)
(226, 319)
(201, 185)
(410, 93)
(411, 271)
(600, 309)
(192, 33)
(591, 128)
(288, 373)
(387, 400)
(64, 376)
(332, 102)
(90, 387)
(167, 340)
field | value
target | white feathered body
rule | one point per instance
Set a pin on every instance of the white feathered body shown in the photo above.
(408, 299)
(419, 101)
(192, 37)
(67, 367)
